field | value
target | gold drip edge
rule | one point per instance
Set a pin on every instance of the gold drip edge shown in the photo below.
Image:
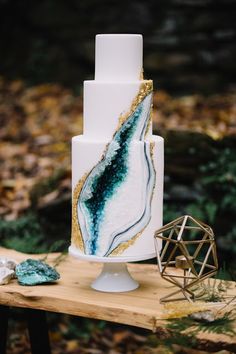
(76, 233)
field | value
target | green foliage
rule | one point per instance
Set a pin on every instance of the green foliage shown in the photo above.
(203, 209)
(23, 234)
(183, 340)
(183, 331)
(26, 235)
(55, 247)
(83, 328)
(215, 203)
(212, 292)
(219, 202)
(223, 324)
(46, 186)
(224, 274)
(170, 212)
(219, 178)
(220, 325)
(229, 240)
(89, 328)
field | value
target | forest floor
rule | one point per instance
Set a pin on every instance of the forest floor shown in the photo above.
(71, 335)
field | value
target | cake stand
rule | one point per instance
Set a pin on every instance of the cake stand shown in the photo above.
(114, 276)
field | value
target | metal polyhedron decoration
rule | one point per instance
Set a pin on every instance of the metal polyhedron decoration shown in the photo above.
(188, 254)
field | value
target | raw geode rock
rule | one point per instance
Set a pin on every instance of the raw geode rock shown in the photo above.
(6, 275)
(33, 272)
(203, 316)
(8, 263)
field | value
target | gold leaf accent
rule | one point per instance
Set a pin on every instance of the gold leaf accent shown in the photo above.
(149, 121)
(76, 237)
(123, 246)
(141, 76)
(152, 146)
(179, 309)
(146, 87)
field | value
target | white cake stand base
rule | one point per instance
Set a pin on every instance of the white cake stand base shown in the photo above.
(114, 276)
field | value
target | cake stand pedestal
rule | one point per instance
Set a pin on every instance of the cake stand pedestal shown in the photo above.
(114, 276)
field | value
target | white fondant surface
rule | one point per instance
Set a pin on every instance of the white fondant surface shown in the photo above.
(103, 104)
(118, 57)
(75, 252)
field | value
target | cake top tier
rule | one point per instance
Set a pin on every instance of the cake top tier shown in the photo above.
(118, 57)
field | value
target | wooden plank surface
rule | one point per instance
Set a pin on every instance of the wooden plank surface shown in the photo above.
(73, 294)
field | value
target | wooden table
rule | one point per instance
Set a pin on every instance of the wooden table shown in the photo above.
(73, 295)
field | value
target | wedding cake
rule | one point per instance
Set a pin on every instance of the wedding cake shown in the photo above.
(117, 164)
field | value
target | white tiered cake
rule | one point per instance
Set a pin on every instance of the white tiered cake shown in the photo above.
(117, 164)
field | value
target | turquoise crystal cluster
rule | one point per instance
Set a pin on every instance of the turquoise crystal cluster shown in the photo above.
(33, 272)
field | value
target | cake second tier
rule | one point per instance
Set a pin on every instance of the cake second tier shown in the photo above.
(106, 105)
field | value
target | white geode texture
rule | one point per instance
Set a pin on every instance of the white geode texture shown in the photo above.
(7, 270)
(8, 263)
(6, 275)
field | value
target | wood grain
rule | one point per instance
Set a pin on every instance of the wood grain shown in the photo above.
(73, 294)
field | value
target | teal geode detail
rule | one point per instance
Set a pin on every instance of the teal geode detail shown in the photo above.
(103, 182)
(104, 185)
(33, 272)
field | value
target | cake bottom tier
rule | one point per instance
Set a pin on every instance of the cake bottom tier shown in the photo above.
(117, 198)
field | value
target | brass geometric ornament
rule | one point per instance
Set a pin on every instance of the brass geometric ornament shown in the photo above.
(188, 255)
